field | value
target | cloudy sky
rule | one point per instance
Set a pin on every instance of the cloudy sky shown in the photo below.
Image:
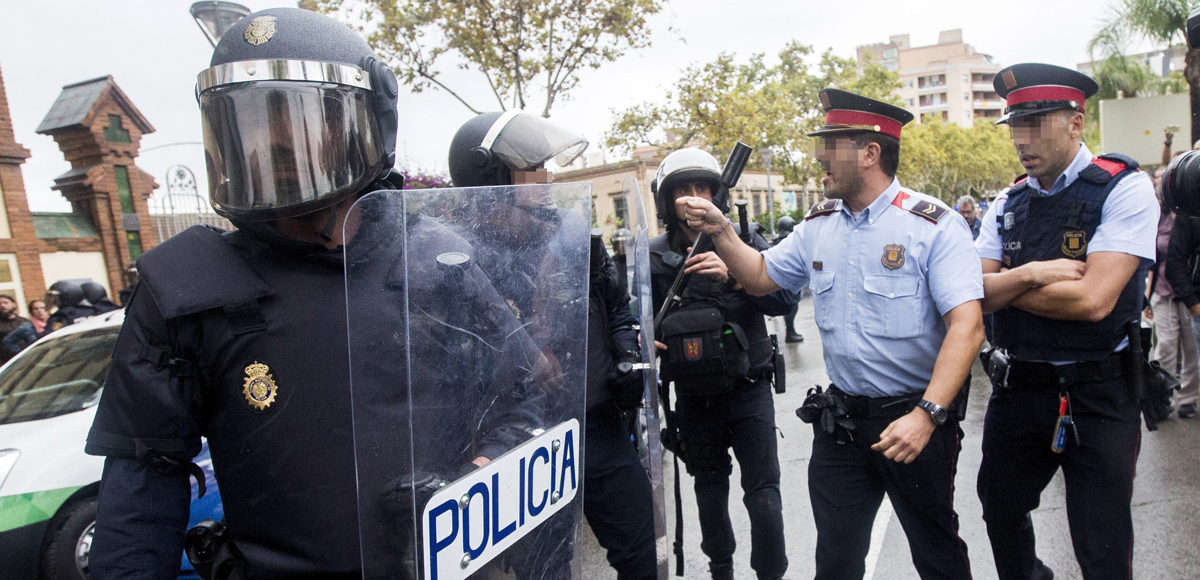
(154, 50)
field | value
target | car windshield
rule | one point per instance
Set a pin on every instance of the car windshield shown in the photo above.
(57, 377)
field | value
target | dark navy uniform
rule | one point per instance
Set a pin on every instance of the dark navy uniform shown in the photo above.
(742, 418)
(1065, 367)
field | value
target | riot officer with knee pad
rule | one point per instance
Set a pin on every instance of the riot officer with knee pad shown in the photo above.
(241, 336)
(511, 148)
(730, 407)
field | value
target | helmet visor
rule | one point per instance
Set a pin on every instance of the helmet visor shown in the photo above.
(278, 149)
(528, 141)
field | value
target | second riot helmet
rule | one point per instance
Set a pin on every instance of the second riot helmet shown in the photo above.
(64, 293)
(786, 225)
(686, 166)
(489, 147)
(297, 114)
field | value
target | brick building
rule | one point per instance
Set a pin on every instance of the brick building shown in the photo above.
(99, 131)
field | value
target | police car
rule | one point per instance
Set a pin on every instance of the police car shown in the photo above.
(48, 486)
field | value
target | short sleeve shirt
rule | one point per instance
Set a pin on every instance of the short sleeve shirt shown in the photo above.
(881, 282)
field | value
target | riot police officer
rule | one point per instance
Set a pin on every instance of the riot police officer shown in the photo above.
(242, 336)
(720, 406)
(97, 296)
(785, 226)
(72, 306)
(511, 148)
(1065, 252)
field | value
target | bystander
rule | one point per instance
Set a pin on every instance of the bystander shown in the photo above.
(9, 321)
(28, 333)
(1176, 345)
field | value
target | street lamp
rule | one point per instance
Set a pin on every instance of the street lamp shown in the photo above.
(215, 17)
(767, 156)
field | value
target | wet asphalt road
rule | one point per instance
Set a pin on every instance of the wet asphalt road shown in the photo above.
(1166, 498)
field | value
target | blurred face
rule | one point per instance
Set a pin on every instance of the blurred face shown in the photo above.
(967, 211)
(520, 177)
(1047, 143)
(699, 189)
(38, 310)
(7, 307)
(843, 162)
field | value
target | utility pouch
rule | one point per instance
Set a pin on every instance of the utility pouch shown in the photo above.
(705, 354)
(958, 407)
(780, 374)
(996, 365)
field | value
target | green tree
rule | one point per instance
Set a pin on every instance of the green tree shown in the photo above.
(521, 48)
(1159, 21)
(948, 161)
(722, 102)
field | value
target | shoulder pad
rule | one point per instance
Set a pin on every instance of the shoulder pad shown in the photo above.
(929, 210)
(659, 244)
(824, 208)
(1105, 167)
(198, 270)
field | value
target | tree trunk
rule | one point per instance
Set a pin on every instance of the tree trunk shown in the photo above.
(1191, 71)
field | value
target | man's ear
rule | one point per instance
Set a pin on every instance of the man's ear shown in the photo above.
(872, 154)
(1075, 123)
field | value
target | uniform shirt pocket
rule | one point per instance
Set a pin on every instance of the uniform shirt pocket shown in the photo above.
(893, 306)
(821, 283)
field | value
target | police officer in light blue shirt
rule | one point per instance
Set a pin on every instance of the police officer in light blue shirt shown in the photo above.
(1065, 252)
(896, 287)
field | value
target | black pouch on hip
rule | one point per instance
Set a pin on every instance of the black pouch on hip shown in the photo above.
(705, 354)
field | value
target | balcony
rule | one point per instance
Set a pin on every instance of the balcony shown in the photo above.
(989, 103)
(930, 88)
(982, 86)
(934, 107)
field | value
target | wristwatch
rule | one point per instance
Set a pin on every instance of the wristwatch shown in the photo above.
(938, 413)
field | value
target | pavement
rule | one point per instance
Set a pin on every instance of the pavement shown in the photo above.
(1166, 498)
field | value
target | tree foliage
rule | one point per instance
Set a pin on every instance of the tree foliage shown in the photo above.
(947, 161)
(723, 102)
(1163, 22)
(521, 48)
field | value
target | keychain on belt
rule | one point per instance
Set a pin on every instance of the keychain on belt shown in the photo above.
(1059, 444)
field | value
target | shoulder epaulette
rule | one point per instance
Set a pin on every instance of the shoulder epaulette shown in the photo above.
(929, 211)
(826, 207)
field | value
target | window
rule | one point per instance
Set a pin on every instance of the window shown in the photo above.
(57, 377)
(113, 133)
(123, 191)
(889, 53)
(621, 210)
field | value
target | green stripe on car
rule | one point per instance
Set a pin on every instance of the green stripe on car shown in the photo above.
(30, 508)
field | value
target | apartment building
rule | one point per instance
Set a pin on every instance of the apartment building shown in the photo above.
(949, 79)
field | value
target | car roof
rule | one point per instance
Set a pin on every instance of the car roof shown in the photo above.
(106, 320)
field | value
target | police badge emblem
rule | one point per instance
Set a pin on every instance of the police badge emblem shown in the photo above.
(1009, 218)
(259, 388)
(893, 256)
(260, 30)
(1074, 244)
(693, 349)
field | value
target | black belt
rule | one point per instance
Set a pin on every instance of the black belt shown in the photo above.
(1042, 375)
(860, 407)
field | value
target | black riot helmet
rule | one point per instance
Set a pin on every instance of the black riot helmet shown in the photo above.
(685, 166)
(297, 114)
(1181, 184)
(93, 291)
(63, 294)
(489, 147)
(785, 225)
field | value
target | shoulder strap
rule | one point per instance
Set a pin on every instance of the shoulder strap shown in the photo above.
(199, 270)
(1106, 167)
(929, 211)
(824, 208)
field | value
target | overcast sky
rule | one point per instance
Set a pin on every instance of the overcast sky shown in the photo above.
(154, 50)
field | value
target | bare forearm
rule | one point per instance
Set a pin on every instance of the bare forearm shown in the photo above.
(745, 263)
(1002, 288)
(1063, 301)
(954, 360)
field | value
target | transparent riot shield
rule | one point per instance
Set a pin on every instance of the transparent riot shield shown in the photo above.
(467, 315)
(637, 264)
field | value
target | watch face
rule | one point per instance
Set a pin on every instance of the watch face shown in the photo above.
(936, 412)
(939, 416)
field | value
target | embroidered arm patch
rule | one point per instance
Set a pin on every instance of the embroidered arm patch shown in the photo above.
(929, 211)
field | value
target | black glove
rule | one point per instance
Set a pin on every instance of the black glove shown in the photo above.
(625, 383)
(826, 408)
(1160, 385)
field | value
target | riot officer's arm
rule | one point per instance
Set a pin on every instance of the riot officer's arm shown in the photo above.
(1001, 286)
(1090, 298)
(140, 520)
(905, 438)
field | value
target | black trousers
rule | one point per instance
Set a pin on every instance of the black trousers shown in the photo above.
(617, 499)
(744, 420)
(1018, 464)
(790, 318)
(846, 483)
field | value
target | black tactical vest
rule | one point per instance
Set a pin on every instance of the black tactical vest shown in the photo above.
(1038, 228)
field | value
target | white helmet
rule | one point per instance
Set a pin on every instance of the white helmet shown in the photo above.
(683, 166)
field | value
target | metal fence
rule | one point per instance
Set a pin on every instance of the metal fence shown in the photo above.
(175, 212)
